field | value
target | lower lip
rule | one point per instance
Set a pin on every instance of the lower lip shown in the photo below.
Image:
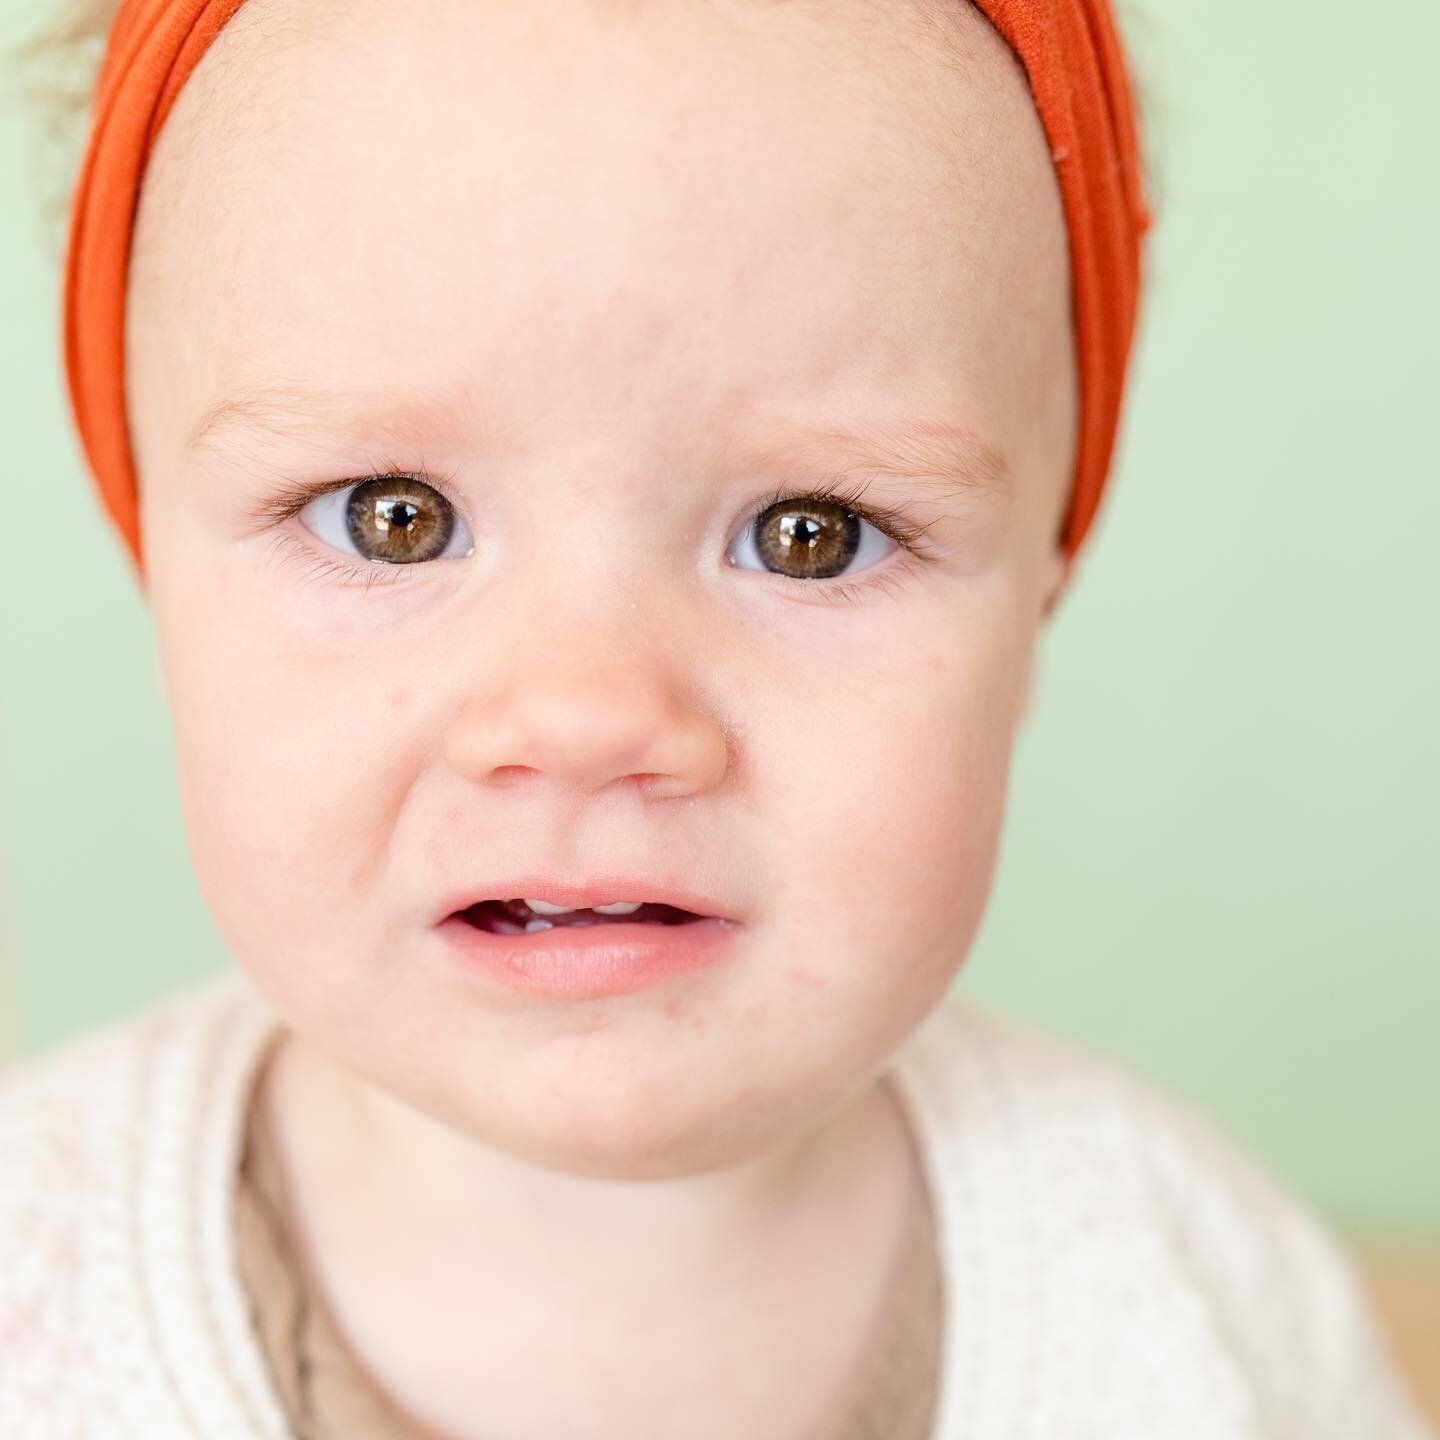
(584, 962)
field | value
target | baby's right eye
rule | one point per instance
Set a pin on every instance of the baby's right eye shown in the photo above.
(388, 519)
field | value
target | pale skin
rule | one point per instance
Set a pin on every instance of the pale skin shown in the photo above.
(602, 267)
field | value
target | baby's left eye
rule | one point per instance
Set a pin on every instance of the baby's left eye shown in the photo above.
(811, 539)
(389, 518)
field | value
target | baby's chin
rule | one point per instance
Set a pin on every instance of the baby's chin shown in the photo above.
(594, 1104)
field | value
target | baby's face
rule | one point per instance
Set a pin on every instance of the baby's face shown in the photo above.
(601, 279)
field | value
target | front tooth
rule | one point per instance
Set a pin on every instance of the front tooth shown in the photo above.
(620, 907)
(541, 907)
(531, 926)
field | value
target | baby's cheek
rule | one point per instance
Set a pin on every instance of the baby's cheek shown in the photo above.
(287, 786)
(891, 846)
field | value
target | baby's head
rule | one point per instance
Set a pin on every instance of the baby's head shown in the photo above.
(581, 312)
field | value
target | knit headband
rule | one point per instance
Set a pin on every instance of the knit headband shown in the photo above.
(1070, 52)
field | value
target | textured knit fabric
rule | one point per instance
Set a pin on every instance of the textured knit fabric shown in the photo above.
(1113, 1268)
(327, 1395)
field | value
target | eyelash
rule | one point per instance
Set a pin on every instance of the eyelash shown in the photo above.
(842, 490)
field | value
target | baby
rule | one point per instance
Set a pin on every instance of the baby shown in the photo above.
(600, 472)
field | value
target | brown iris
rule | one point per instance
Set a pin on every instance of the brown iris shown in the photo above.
(807, 539)
(398, 520)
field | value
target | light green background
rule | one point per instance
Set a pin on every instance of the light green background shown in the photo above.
(1220, 858)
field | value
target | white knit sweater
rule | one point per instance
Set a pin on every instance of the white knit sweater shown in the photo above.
(1114, 1269)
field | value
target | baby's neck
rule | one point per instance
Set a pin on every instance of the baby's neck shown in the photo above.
(444, 1262)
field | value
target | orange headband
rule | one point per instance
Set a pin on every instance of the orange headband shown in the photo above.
(1070, 51)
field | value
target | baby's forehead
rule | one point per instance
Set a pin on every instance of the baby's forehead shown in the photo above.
(659, 197)
(466, 90)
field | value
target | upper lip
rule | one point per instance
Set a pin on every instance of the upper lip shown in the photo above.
(583, 894)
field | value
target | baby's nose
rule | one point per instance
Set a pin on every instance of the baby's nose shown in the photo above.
(586, 721)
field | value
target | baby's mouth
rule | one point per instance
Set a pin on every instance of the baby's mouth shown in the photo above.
(515, 917)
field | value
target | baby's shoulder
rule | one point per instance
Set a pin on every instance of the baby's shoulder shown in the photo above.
(69, 1118)
(60, 1109)
(1074, 1108)
(48, 1104)
(53, 1183)
(1145, 1192)
(47, 1099)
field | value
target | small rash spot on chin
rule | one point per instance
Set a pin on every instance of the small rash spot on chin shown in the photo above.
(677, 1010)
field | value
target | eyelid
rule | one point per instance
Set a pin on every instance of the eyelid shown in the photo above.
(364, 573)
(872, 582)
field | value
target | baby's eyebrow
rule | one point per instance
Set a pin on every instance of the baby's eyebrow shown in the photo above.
(948, 458)
(291, 411)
